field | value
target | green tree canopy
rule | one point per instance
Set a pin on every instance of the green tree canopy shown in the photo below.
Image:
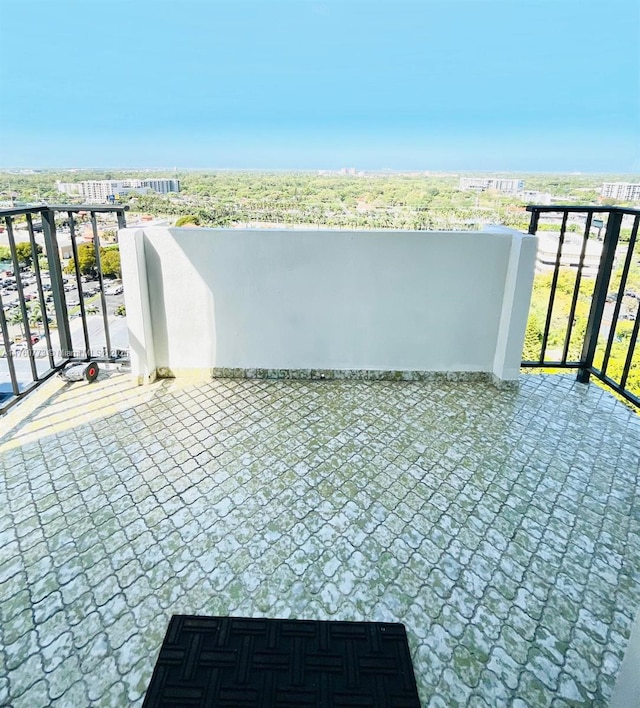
(532, 339)
(35, 315)
(110, 261)
(188, 220)
(24, 253)
(86, 260)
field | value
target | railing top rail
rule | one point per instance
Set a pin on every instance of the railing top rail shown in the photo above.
(583, 209)
(19, 211)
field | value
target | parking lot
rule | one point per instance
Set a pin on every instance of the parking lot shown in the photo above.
(23, 361)
(89, 293)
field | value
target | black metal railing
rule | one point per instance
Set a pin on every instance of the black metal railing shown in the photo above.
(38, 334)
(591, 312)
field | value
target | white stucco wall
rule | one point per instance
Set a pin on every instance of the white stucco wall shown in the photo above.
(138, 306)
(397, 300)
(626, 693)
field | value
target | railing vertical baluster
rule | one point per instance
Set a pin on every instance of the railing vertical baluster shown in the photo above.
(76, 263)
(23, 303)
(632, 345)
(599, 295)
(105, 316)
(43, 304)
(623, 284)
(533, 222)
(57, 282)
(576, 288)
(7, 348)
(554, 284)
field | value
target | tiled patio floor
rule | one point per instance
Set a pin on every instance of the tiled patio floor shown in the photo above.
(501, 527)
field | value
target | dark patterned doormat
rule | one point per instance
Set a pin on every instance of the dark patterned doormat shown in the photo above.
(230, 661)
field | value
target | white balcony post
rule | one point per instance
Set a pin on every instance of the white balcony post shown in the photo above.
(137, 304)
(515, 304)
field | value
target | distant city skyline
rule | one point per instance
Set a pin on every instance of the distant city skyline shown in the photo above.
(405, 85)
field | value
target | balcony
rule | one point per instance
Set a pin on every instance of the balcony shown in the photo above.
(492, 513)
(497, 525)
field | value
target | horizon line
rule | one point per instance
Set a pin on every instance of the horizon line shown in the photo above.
(316, 169)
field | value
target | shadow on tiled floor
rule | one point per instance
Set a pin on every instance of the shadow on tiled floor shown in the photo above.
(501, 527)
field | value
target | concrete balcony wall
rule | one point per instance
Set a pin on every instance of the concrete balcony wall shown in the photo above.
(203, 299)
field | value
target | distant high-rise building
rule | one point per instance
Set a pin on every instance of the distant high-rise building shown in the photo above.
(624, 191)
(102, 190)
(534, 197)
(99, 190)
(69, 187)
(497, 184)
(162, 186)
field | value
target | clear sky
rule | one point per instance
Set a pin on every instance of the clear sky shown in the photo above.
(539, 85)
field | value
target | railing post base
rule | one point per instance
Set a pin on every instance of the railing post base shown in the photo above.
(583, 376)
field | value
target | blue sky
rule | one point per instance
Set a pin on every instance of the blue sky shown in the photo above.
(544, 85)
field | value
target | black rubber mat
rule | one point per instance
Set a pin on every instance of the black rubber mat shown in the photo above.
(229, 661)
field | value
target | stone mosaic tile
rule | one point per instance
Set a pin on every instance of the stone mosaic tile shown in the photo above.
(500, 526)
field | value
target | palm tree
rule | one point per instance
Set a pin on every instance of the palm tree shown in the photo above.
(15, 318)
(35, 316)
